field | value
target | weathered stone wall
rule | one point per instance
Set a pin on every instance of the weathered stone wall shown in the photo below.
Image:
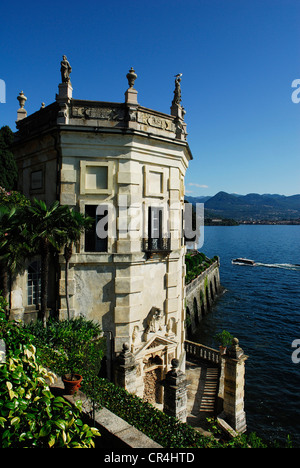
(200, 295)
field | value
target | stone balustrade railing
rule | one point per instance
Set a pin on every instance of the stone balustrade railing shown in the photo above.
(199, 351)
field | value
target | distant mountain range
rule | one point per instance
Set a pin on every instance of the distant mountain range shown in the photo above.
(251, 207)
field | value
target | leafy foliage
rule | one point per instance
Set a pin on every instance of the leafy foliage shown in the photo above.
(13, 246)
(9, 172)
(30, 415)
(33, 228)
(224, 338)
(12, 198)
(165, 430)
(70, 346)
(196, 263)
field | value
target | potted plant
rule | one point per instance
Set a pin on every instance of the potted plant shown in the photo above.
(73, 349)
(67, 365)
(83, 351)
(81, 357)
(72, 383)
(224, 339)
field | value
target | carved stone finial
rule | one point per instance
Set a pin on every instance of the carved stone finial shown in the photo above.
(131, 77)
(65, 70)
(125, 347)
(235, 351)
(21, 112)
(175, 363)
(22, 99)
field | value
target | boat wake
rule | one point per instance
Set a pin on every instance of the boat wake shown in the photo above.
(285, 266)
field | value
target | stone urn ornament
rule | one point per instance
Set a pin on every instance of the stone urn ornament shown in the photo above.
(131, 77)
(22, 99)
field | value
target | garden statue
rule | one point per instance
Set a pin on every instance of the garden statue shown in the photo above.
(65, 70)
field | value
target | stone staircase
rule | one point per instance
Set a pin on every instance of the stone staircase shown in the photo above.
(202, 392)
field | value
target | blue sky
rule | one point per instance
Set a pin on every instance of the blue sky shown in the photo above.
(238, 59)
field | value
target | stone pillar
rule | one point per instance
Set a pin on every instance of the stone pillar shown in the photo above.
(175, 392)
(220, 399)
(131, 100)
(125, 370)
(234, 383)
(131, 93)
(63, 98)
(18, 285)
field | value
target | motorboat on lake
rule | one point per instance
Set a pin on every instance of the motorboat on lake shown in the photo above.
(243, 261)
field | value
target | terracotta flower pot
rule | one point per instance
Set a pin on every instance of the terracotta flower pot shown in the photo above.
(72, 383)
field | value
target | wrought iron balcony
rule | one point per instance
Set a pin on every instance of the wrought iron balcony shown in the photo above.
(156, 245)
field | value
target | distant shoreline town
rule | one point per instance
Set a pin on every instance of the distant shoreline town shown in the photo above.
(232, 222)
(226, 209)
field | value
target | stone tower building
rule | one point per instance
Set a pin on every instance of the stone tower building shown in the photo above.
(124, 165)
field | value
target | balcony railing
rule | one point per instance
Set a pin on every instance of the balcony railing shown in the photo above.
(156, 245)
(197, 350)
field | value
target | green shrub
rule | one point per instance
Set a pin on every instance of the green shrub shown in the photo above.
(70, 346)
(165, 430)
(196, 264)
(30, 415)
(224, 338)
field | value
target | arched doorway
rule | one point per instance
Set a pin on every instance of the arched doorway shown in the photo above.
(153, 375)
(211, 291)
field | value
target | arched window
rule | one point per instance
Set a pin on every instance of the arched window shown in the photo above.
(188, 322)
(196, 316)
(34, 284)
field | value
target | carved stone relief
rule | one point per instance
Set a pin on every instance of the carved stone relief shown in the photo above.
(100, 113)
(155, 121)
(154, 323)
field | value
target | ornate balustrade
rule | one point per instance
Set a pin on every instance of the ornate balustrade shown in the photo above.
(199, 351)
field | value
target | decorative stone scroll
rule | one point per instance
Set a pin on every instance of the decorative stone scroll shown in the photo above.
(98, 113)
(156, 122)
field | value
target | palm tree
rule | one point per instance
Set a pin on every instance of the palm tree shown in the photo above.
(55, 228)
(13, 246)
(37, 229)
(6, 216)
(43, 230)
(72, 224)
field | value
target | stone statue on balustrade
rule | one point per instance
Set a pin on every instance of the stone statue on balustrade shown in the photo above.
(65, 70)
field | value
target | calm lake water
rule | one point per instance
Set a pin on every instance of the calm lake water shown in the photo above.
(261, 307)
